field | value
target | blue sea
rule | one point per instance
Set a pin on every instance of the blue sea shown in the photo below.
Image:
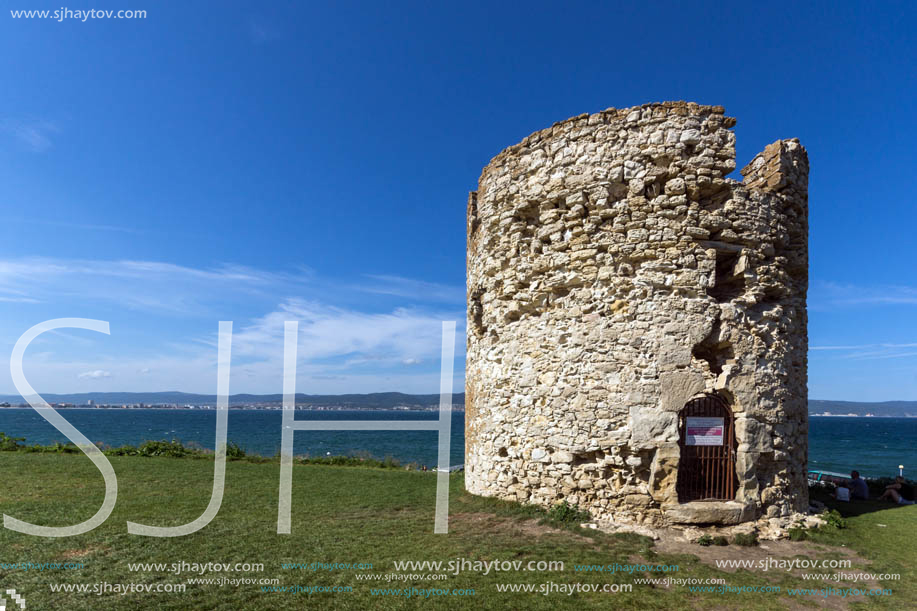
(874, 446)
(256, 431)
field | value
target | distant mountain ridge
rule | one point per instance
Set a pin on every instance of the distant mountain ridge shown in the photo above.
(370, 400)
(884, 409)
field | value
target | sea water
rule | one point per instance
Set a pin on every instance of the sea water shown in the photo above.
(874, 446)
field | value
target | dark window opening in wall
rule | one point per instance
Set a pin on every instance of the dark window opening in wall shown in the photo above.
(714, 352)
(729, 279)
(706, 438)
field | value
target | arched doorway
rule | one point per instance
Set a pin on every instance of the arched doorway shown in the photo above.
(706, 438)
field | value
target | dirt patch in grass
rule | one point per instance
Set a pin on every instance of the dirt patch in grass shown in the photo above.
(488, 523)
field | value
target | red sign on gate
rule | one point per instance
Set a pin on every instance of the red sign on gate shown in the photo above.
(703, 431)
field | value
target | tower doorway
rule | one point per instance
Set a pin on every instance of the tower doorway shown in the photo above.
(706, 438)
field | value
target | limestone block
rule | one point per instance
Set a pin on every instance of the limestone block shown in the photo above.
(664, 473)
(676, 186)
(690, 136)
(676, 388)
(539, 455)
(673, 354)
(709, 512)
(753, 436)
(652, 427)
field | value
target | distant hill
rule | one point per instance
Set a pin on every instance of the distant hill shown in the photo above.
(886, 409)
(371, 400)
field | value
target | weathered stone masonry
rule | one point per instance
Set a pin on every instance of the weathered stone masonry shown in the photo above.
(613, 275)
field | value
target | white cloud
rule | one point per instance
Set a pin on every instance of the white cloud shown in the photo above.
(94, 375)
(327, 331)
(372, 346)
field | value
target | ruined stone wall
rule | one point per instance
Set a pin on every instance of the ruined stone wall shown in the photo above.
(613, 275)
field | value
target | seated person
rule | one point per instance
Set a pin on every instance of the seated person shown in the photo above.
(842, 494)
(857, 486)
(898, 492)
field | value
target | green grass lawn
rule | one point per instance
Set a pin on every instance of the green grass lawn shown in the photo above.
(364, 515)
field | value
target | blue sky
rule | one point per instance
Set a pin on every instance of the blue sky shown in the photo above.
(257, 162)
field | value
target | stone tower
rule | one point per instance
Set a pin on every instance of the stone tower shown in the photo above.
(637, 321)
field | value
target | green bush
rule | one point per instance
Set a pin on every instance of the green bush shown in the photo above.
(10, 444)
(234, 451)
(705, 541)
(57, 448)
(172, 449)
(746, 539)
(798, 534)
(122, 451)
(565, 513)
(835, 519)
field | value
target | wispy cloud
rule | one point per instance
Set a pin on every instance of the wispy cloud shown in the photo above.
(347, 343)
(851, 295)
(140, 285)
(71, 225)
(33, 135)
(262, 31)
(863, 346)
(869, 351)
(412, 289)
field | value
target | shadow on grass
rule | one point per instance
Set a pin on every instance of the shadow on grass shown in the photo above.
(852, 508)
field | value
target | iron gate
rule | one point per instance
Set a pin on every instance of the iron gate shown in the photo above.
(706, 469)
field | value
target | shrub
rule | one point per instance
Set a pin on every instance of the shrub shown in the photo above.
(234, 451)
(10, 444)
(122, 451)
(172, 449)
(565, 513)
(798, 534)
(60, 448)
(835, 519)
(746, 539)
(705, 541)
